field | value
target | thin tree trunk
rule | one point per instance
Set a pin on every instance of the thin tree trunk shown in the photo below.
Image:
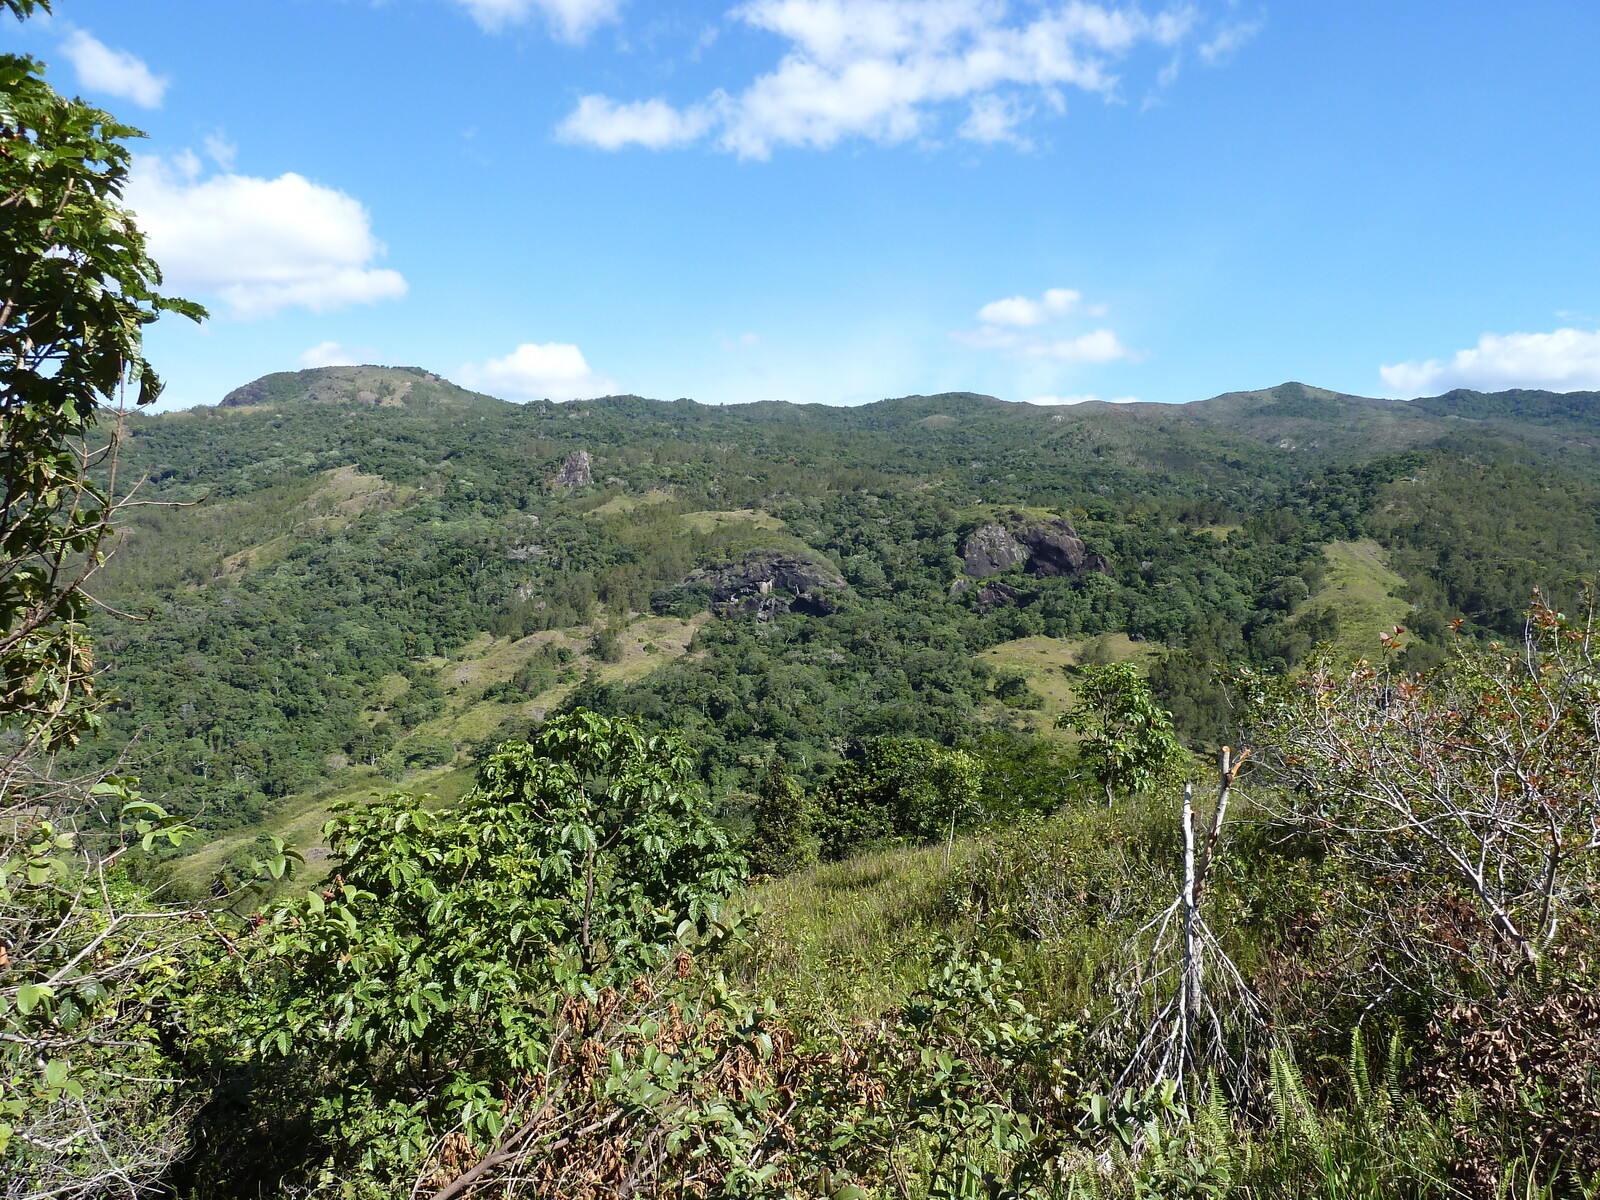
(1192, 966)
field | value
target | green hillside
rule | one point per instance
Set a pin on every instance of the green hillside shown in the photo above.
(850, 728)
(355, 539)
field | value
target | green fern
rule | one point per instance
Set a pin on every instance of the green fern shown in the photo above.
(1360, 1076)
(1293, 1110)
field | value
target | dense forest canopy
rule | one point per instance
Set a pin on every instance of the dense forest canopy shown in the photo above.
(355, 530)
(947, 673)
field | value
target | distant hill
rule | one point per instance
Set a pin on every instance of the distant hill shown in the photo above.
(384, 572)
(382, 387)
(1580, 409)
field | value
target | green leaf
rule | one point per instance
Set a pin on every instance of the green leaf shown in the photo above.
(29, 995)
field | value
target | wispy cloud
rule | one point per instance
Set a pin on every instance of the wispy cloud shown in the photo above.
(1017, 327)
(894, 70)
(570, 20)
(221, 151)
(1025, 311)
(653, 124)
(1083, 399)
(114, 72)
(1229, 39)
(1564, 360)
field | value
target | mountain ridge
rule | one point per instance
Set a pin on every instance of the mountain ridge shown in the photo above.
(398, 386)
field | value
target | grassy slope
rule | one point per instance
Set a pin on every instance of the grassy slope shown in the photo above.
(849, 938)
(1362, 588)
(1048, 664)
(646, 643)
(843, 941)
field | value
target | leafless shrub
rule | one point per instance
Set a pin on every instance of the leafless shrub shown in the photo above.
(1468, 799)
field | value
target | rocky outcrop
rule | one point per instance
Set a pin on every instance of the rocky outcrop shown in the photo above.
(575, 472)
(1054, 548)
(995, 594)
(768, 583)
(990, 549)
(1044, 547)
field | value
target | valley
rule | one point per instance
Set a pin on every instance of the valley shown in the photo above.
(374, 575)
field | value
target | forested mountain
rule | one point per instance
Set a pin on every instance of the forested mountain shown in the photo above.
(404, 792)
(375, 573)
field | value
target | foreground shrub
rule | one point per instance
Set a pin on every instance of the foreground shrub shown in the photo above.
(416, 993)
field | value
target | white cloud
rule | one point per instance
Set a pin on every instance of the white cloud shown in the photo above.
(1024, 311)
(1085, 399)
(572, 20)
(221, 151)
(1011, 326)
(1228, 39)
(1565, 360)
(259, 245)
(1101, 346)
(653, 124)
(553, 371)
(994, 119)
(114, 72)
(188, 164)
(332, 354)
(892, 70)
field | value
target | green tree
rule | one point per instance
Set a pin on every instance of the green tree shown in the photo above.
(429, 978)
(1128, 744)
(898, 789)
(86, 1096)
(782, 841)
(76, 290)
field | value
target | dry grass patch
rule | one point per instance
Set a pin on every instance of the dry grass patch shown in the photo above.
(710, 522)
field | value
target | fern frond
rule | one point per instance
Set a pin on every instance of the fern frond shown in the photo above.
(1360, 1076)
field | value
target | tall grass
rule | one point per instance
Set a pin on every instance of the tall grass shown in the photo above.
(1059, 898)
(852, 939)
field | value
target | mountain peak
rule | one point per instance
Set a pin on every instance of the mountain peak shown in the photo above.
(381, 387)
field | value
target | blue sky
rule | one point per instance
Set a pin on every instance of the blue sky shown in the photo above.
(842, 200)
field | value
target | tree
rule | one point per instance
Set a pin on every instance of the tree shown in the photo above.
(908, 789)
(76, 289)
(782, 841)
(86, 1106)
(427, 980)
(1128, 743)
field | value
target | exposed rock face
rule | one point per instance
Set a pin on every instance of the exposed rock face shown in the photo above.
(993, 595)
(990, 549)
(575, 471)
(1048, 547)
(1054, 548)
(1042, 547)
(768, 583)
